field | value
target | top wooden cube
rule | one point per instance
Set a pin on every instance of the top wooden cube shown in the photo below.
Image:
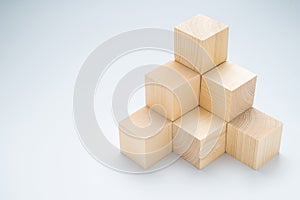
(200, 43)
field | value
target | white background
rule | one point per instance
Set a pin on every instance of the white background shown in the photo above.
(44, 43)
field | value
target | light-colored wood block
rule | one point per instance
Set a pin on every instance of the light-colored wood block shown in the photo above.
(227, 90)
(201, 43)
(253, 138)
(172, 89)
(145, 137)
(199, 137)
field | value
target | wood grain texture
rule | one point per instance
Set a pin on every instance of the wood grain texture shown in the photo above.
(253, 138)
(145, 137)
(199, 137)
(201, 43)
(227, 90)
(172, 90)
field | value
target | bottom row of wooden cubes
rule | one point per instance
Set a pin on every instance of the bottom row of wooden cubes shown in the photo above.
(200, 137)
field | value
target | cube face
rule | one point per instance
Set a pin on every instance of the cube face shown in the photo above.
(228, 90)
(201, 43)
(215, 98)
(253, 138)
(172, 90)
(145, 137)
(268, 147)
(215, 147)
(162, 100)
(241, 146)
(133, 148)
(199, 137)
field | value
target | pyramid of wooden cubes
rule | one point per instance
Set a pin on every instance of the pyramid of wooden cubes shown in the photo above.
(200, 105)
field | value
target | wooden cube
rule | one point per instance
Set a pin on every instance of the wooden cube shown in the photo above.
(199, 137)
(253, 138)
(145, 137)
(227, 90)
(201, 43)
(173, 87)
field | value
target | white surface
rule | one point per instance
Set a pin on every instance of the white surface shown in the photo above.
(42, 46)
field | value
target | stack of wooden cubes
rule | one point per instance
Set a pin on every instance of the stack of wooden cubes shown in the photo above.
(200, 105)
